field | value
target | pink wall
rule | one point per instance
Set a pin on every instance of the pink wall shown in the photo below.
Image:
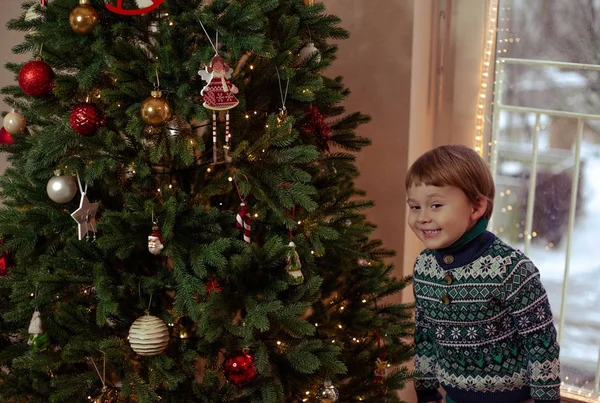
(376, 65)
(8, 9)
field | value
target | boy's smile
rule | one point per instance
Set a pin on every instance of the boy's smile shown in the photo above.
(440, 215)
(431, 233)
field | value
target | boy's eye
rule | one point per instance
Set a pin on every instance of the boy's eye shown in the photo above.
(414, 207)
(436, 205)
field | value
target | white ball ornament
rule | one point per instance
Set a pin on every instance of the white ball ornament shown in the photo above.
(14, 122)
(61, 188)
(308, 51)
(149, 336)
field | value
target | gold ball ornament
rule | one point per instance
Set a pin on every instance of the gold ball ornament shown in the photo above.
(156, 111)
(108, 395)
(83, 18)
(149, 336)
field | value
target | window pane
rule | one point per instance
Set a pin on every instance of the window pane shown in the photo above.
(546, 31)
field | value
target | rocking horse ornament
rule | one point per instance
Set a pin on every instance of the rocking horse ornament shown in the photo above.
(144, 7)
(219, 95)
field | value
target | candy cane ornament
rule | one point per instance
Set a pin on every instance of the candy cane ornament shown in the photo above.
(243, 221)
(242, 218)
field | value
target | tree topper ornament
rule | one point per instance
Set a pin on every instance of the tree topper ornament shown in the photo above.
(219, 95)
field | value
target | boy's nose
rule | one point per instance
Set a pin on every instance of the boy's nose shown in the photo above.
(423, 218)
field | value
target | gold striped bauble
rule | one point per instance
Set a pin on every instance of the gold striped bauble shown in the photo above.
(149, 336)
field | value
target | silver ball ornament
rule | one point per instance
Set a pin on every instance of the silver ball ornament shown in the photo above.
(61, 188)
(308, 51)
(14, 122)
(328, 393)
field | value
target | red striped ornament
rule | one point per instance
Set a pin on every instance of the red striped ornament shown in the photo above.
(243, 221)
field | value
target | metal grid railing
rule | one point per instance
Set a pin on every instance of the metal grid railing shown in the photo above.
(499, 107)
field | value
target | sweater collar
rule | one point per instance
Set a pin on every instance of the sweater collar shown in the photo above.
(472, 245)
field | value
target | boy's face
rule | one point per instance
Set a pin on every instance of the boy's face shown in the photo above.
(439, 216)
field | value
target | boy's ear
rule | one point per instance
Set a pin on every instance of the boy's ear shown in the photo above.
(479, 208)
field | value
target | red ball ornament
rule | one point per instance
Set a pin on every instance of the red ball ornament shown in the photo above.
(4, 264)
(239, 369)
(5, 137)
(86, 118)
(36, 78)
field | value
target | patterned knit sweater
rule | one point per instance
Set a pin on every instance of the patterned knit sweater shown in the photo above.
(484, 329)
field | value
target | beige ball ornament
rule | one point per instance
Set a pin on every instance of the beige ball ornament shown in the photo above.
(14, 122)
(61, 188)
(149, 336)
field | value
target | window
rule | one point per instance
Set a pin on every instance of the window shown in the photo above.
(543, 126)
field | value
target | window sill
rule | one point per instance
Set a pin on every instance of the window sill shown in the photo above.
(570, 397)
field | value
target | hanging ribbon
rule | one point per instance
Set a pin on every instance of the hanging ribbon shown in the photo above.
(214, 45)
(103, 375)
(283, 110)
(291, 232)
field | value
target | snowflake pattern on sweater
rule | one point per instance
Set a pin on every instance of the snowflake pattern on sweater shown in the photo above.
(485, 327)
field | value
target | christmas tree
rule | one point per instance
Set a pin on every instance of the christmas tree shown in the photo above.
(180, 221)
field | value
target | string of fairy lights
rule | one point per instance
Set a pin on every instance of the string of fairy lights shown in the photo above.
(486, 62)
(497, 40)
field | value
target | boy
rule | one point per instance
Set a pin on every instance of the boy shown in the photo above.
(484, 328)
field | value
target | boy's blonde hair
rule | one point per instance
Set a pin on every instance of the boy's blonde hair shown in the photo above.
(458, 166)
